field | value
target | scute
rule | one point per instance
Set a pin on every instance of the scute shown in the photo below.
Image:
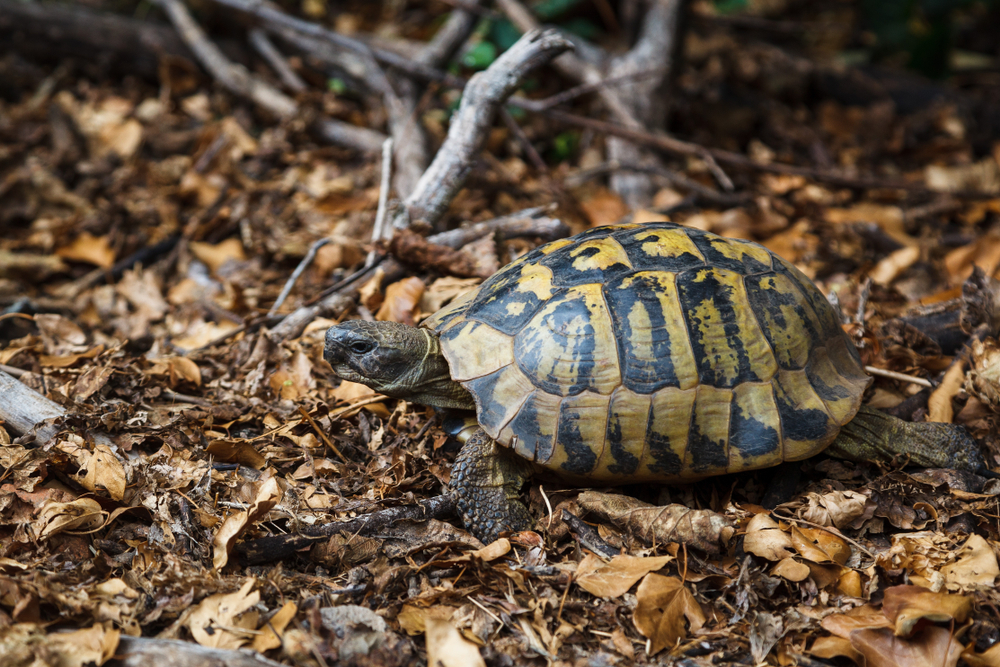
(653, 352)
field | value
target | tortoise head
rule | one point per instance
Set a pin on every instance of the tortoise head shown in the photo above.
(394, 359)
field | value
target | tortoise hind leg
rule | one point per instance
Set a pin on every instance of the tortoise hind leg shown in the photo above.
(874, 435)
(485, 482)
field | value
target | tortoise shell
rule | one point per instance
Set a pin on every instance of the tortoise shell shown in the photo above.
(653, 352)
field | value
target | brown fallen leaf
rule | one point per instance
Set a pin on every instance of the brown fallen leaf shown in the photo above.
(401, 299)
(905, 605)
(702, 529)
(268, 495)
(939, 407)
(412, 618)
(270, 633)
(930, 646)
(93, 645)
(835, 508)
(983, 380)
(819, 546)
(105, 471)
(791, 569)
(90, 249)
(225, 620)
(614, 578)
(976, 567)
(214, 256)
(84, 514)
(662, 606)
(859, 618)
(446, 647)
(765, 539)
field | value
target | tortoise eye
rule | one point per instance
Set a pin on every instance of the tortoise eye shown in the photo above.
(362, 347)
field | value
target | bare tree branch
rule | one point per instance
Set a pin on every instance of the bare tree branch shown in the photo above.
(483, 95)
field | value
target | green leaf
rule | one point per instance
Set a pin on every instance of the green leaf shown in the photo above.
(583, 27)
(730, 6)
(564, 145)
(480, 56)
(547, 10)
(503, 33)
(336, 85)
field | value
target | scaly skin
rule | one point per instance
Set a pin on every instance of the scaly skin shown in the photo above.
(486, 482)
(875, 436)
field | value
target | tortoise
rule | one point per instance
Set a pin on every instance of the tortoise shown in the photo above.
(636, 353)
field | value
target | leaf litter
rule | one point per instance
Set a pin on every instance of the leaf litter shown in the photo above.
(223, 435)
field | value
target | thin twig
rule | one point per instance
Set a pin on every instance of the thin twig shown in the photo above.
(522, 139)
(379, 230)
(233, 76)
(185, 398)
(584, 88)
(322, 434)
(262, 43)
(290, 283)
(893, 375)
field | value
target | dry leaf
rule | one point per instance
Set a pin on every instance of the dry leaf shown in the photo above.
(94, 645)
(614, 578)
(931, 646)
(105, 471)
(662, 605)
(270, 632)
(603, 207)
(819, 546)
(447, 648)
(268, 495)
(413, 618)
(79, 515)
(939, 402)
(976, 567)
(836, 508)
(703, 529)
(905, 605)
(763, 538)
(401, 299)
(90, 249)
(214, 256)
(225, 620)
(791, 569)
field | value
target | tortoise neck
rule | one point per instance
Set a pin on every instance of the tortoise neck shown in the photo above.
(430, 383)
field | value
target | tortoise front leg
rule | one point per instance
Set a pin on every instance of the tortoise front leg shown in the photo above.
(485, 483)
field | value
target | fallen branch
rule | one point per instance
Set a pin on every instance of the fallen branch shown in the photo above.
(482, 97)
(277, 547)
(23, 409)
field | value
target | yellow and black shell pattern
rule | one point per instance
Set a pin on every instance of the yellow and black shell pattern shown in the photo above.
(653, 352)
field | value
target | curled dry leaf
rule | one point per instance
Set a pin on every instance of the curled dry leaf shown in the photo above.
(90, 249)
(836, 508)
(931, 646)
(662, 606)
(614, 578)
(268, 495)
(93, 645)
(225, 620)
(702, 529)
(983, 380)
(84, 514)
(764, 538)
(105, 471)
(819, 546)
(939, 403)
(177, 370)
(412, 618)
(905, 605)
(269, 634)
(446, 647)
(214, 256)
(401, 299)
(976, 567)
(791, 569)
(894, 265)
